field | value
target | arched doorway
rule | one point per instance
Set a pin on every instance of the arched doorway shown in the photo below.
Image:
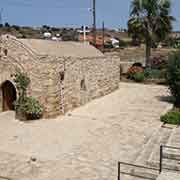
(8, 96)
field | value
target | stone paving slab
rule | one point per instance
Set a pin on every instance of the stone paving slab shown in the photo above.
(87, 142)
(169, 176)
(175, 138)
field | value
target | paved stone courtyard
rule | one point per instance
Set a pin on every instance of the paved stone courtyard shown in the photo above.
(87, 142)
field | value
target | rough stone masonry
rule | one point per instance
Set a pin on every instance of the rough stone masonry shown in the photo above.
(63, 75)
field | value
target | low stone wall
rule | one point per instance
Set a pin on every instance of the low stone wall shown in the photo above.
(129, 56)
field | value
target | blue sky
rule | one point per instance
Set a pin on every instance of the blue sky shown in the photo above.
(71, 12)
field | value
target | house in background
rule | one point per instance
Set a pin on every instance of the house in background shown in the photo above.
(110, 38)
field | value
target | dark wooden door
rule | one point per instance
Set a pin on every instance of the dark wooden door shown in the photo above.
(9, 95)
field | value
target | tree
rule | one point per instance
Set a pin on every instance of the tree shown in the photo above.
(46, 27)
(69, 35)
(173, 76)
(16, 27)
(150, 21)
(7, 25)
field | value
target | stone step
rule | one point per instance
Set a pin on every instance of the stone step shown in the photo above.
(174, 139)
(151, 149)
(147, 149)
(162, 139)
(138, 173)
(169, 164)
(169, 176)
(173, 154)
(159, 136)
(146, 174)
(139, 176)
(171, 158)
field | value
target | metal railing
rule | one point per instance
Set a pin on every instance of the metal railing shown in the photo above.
(162, 156)
(132, 174)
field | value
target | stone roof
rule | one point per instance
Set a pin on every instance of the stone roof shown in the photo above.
(61, 49)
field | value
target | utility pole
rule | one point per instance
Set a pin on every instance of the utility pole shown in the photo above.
(94, 22)
(1, 19)
(103, 34)
(84, 33)
(1, 23)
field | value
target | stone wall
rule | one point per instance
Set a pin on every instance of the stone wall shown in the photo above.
(90, 78)
(19, 57)
(85, 78)
(129, 56)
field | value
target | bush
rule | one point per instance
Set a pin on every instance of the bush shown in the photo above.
(21, 80)
(139, 77)
(30, 107)
(69, 35)
(26, 107)
(122, 43)
(158, 62)
(133, 70)
(173, 76)
(177, 44)
(153, 73)
(138, 64)
(173, 42)
(108, 46)
(33, 108)
(172, 117)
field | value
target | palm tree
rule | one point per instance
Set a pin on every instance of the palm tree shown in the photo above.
(150, 20)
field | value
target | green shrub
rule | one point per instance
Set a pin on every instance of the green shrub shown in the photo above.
(173, 43)
(159, 62)
(30, 107)
(173, 76)
(26, 107)
(172, 117)
(139, 77)
(134, 70)
(108, 46)
(177, 45)
(22, 81)
(153, 73)
(33, 107)
(122, 43)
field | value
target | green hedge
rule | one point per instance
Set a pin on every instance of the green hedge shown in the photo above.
(173, 76)
(172, 117)
(139, 77)
(153, 73)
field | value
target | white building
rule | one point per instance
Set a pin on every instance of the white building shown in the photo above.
(47, 35)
